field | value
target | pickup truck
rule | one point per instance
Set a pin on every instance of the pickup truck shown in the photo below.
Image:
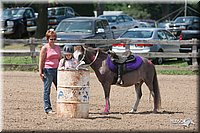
(18, 22)
(77, 28)
(184, 23)
(57, 14)
(187, 35)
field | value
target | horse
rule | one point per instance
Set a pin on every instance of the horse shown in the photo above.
(97, 59)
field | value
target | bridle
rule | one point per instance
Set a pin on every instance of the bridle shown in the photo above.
(84, 54)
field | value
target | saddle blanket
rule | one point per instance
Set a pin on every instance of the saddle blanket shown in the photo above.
(128, 66)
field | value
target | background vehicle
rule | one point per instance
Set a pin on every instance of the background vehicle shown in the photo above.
(147, 34)
(57, 14)
(187, 35)
(84, 28)
(120, 23)
(184, 23)
(163, 25)
(147, 23)
(18, 22)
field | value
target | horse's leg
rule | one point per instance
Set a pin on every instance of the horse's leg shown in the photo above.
(150, 86)
(154, 91)
(138, 96)
(106, 88)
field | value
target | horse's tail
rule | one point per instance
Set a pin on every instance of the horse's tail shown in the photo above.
(156, 91)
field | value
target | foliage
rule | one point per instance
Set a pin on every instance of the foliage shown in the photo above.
(153, 11)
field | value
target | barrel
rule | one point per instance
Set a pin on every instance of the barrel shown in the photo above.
(73, 93)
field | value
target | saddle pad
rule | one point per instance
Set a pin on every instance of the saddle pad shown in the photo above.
(129, 66)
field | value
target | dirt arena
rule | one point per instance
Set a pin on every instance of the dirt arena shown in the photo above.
(23, 106)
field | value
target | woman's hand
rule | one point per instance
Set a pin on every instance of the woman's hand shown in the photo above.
(41, 76)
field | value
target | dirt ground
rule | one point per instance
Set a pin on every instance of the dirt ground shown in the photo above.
(23, 106)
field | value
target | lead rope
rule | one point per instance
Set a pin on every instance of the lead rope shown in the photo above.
(95, 58)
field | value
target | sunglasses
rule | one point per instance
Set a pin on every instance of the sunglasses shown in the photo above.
(68, 55)
(52, 39)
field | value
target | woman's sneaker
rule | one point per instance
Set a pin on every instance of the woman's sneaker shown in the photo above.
(50, 112)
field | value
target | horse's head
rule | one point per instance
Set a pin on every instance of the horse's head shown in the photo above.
(78, 52)
(86, 54)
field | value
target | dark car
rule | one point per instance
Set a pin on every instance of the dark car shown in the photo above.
(18, 22)
(84, 28)
(184, 23)
(120, 23)
(57, 14)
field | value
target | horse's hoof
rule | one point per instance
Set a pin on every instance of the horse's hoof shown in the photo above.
(105, 113)
(155, 111)
(132, 111)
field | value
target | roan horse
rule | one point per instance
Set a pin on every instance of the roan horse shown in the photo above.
(146, 73)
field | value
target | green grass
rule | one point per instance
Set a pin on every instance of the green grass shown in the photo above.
(175, 62)
(17, 60)
(178, 72)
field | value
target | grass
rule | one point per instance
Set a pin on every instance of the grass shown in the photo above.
(17, 60)
(178, 72)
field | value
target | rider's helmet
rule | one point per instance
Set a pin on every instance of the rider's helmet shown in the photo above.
(68, 49)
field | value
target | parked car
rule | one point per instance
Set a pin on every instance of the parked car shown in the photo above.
(184, 23)
(57, 14)
(84, 28)
(147, 23)
(18, 22)
(163, 25)
(144, 24)
(147, 34)
(120, 23)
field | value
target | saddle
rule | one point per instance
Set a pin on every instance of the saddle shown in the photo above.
(126, 57)
(120, 61)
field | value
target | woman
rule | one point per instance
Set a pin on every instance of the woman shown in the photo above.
(50, 56)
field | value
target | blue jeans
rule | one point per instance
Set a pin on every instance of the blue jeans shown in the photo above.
(50, 75)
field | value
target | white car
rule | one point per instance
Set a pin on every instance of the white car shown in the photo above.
(120, 23)
(147, 34)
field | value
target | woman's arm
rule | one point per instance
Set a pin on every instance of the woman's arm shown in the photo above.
(41, 61)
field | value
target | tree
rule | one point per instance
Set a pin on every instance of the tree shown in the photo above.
(42, 21)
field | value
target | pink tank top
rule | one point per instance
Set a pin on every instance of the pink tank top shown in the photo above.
(52, 57)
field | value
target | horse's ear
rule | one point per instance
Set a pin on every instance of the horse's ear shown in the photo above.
(84, 47)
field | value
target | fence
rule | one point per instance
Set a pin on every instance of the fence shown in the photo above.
(32, 42)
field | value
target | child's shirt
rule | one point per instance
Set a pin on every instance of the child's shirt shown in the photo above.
(72, 63)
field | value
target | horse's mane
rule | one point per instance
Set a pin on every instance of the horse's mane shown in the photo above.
(101, 50)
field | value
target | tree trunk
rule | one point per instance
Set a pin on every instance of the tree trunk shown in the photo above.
(42, 21)
(99, 9)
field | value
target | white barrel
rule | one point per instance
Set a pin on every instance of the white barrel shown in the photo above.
(73, 93)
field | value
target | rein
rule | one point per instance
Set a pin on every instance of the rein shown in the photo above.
(95, 58)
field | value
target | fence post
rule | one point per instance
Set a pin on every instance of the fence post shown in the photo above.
(194, 59)
(32, 50)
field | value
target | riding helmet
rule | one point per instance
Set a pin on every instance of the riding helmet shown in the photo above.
(68, 49)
